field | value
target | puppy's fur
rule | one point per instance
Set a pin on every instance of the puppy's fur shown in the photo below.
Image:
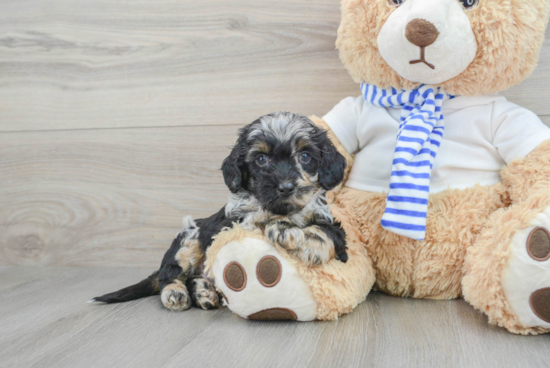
(278, 173)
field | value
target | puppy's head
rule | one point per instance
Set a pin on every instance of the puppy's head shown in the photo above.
(284, 160)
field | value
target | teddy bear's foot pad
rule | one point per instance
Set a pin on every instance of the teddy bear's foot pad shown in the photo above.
(540, 303)
(538, 244)
(259, 284)
(274, 314)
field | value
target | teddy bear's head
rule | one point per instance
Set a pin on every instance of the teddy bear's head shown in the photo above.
(468, 47)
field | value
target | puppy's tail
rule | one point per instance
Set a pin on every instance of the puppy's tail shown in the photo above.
(147, 287)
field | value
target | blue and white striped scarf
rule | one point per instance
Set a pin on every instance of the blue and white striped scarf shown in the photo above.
(418, 140)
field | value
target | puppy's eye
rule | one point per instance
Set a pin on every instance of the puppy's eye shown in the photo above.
(469, 4)
(305, 158)
(261, 160)
(396, 3)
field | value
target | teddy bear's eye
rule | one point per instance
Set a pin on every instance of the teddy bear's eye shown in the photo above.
(469, 4)
(396, 3)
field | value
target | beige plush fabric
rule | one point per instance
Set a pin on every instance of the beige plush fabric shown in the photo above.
(509, 34)
(432, 268)
(530, 176)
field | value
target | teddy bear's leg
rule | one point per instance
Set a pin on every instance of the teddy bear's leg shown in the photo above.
(258, 283)
(260, 280)
(507, 271)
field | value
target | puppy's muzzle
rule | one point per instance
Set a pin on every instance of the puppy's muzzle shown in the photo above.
(286, 189)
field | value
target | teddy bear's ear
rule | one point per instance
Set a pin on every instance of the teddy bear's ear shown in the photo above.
(333, 165)
(233, 167)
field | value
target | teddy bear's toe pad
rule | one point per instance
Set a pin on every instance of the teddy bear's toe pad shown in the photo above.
(234, 276)
(260, 284)
(538, 244)
(540, 303)
(269, 271)
(526, 277)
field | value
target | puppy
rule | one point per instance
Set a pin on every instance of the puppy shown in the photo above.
(278, 173)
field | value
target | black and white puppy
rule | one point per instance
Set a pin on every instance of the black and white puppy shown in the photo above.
(278, 173)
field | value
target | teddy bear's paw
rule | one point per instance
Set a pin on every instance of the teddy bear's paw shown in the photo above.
(526, 278)
(257, 283)
(203, 293)
(176, 297)
(310, 245)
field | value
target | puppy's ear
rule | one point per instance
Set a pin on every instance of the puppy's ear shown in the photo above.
(233, 166)
(333, 165)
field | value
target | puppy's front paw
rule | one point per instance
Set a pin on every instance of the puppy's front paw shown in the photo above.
(316, 247)
(204, 294)
(310, 245)
(283, 233)
(341, 256)
(176, 297)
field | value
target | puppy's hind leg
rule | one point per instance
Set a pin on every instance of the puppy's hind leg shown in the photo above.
(180, 262)
(175, 296)
(203, 293)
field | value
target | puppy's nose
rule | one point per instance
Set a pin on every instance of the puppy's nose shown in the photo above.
(421, 33)
(286, 188)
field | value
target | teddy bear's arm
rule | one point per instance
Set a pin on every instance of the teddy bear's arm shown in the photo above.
(522, 140)
(529, 176)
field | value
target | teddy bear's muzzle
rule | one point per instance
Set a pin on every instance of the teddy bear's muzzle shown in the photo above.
(421, 33)
(438, 30)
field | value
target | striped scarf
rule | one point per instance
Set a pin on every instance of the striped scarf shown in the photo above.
(419, 137)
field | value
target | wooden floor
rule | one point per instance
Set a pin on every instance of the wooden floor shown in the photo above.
(46, 322)
(114, 119)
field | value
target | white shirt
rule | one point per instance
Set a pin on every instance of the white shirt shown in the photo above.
(482, 134)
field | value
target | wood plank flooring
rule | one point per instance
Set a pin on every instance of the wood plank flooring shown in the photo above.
(46, 322)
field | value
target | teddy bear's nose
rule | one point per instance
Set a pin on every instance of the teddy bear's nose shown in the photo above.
(421, 33)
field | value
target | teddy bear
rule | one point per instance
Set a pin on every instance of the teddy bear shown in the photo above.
(447, 191)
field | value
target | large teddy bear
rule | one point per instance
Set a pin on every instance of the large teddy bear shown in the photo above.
(448, 195)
